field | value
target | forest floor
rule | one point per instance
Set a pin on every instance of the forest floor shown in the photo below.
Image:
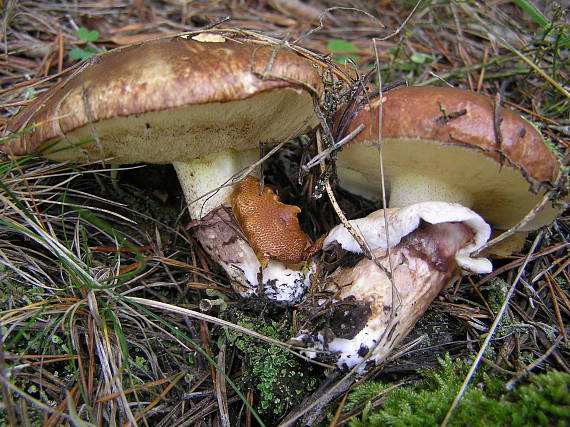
(84, 248)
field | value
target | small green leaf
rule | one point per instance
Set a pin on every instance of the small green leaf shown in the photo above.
(86, 35)
(404, 66)
(30, 93)
(341, 46)
(78, 53)
(336, 46)
(341, 59)
(420, 58)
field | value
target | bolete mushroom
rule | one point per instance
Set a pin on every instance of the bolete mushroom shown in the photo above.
(203, 103)
(439, 145)
(376, 302)
(450, 145)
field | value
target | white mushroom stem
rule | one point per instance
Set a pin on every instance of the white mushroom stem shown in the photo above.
(198, 177)
(378, 301)
(409, 188)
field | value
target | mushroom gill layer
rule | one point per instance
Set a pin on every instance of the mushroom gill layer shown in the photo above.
(378, 301)
(422, 170)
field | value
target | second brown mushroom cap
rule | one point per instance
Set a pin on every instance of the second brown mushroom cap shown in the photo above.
(451, 145)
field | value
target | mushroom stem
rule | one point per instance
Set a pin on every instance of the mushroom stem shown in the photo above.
(223, 239)
(403, 188)
(409, 188)
(376, 302)
(198, 177)
(451, 145)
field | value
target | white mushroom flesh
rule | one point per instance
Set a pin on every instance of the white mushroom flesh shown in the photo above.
(206, 181)
(221, 237)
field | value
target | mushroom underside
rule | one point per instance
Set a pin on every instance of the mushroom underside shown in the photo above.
(420, 170)
(186, 133)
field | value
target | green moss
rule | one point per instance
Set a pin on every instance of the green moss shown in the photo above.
(497, 292)
(544, 401)
(279, 379)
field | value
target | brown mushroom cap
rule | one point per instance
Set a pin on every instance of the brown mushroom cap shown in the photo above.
(446, 134)
(172, 99)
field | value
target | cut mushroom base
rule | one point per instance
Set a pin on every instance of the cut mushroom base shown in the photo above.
(259, 243)
(221, 236)
(430, 243)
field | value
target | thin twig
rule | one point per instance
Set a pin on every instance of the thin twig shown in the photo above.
(518, 226)
(533, 365)
(221, 392)
(345, 222)
(335, 146)
(404, 23)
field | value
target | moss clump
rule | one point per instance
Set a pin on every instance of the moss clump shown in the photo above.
(279, 379)
(544, 401)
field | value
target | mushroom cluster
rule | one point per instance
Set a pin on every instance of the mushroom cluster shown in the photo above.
(206, 102)
(451, 160)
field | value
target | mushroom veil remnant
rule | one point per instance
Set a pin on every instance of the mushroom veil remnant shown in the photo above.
(376, 302)
(449, 145)
(203, 103)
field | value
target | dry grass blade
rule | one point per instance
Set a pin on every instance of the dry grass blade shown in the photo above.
(220, 322)
(160, 397)
(221, 391)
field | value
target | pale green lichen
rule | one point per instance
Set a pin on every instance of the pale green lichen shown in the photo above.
(279, 379)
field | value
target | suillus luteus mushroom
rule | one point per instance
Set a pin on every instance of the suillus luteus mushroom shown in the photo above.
(441, 146)
(451, 145)
(204, 103)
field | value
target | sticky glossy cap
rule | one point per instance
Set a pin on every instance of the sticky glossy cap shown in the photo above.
(172, 99)
(456, 136)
